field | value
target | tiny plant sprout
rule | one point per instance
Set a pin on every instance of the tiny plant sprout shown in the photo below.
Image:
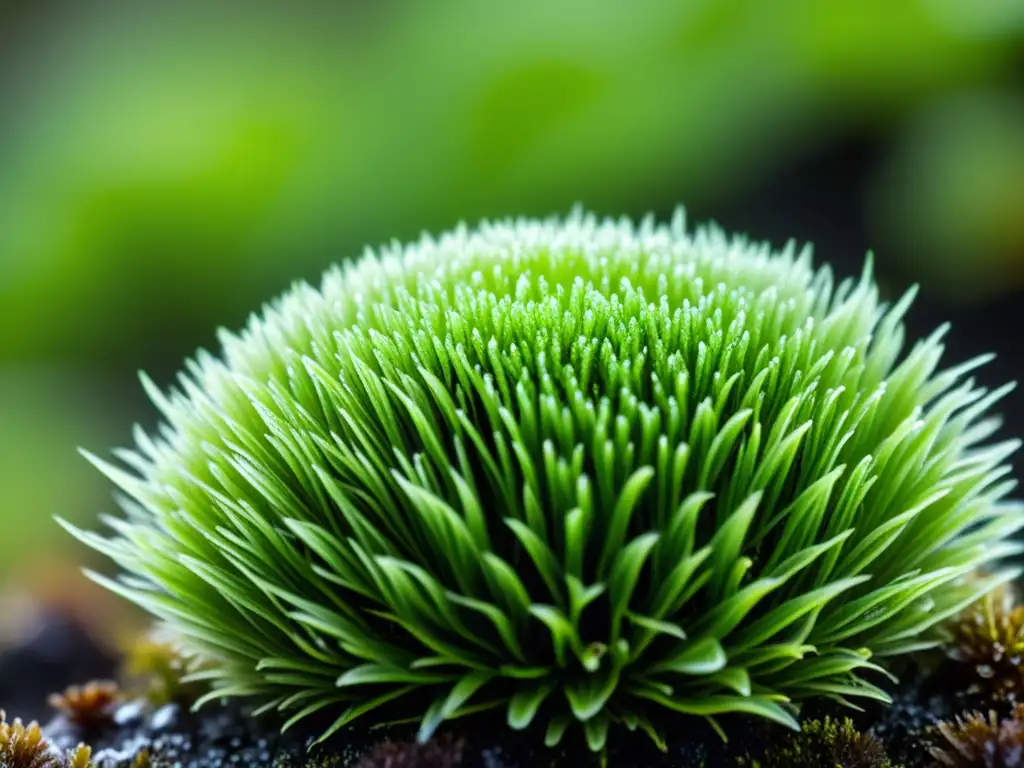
(590, 474)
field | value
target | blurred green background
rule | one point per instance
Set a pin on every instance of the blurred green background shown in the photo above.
(166, 168)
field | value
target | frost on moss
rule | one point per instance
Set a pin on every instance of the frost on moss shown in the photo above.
(583, 471)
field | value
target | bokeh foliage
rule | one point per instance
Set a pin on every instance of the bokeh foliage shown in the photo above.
(163, 169)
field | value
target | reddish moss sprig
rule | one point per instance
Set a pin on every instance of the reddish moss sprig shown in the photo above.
(989, 638)
(90, 705)
(980, 741)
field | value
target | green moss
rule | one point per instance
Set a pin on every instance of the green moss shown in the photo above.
(156, 667)
(825, 743)
(588, 473)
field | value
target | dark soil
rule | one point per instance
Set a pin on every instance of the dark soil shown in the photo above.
(222, 736)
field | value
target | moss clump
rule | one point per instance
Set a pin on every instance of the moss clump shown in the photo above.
(826, 743)
(988, 637)
(979, 741)
(582, 471)
(155, 667)
(88, 706)
(23, 746)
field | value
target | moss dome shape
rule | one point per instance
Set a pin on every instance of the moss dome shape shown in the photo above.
(583, 471)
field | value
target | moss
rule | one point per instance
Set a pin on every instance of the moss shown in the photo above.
(80, 757)
(827, 743)
(988, 640)
(981, 741)
(590, 473)
(155, 666)
(88, 706)
(23, 746)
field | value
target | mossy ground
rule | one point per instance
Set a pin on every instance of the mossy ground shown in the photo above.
(933, 688)
(222, 736)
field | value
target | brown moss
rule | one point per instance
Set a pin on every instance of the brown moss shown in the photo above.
(988, 638)
(980, 741)
(23, 746)
(90, 705)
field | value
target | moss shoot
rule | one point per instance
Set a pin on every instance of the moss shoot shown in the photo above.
(825, 743)
(591, 473)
